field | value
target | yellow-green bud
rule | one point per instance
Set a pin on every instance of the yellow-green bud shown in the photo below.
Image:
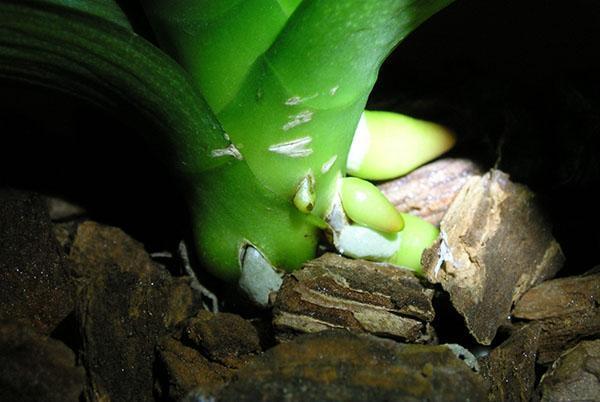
(388, 145)
(364, 204)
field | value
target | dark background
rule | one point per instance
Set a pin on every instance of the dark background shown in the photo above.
(516, 80)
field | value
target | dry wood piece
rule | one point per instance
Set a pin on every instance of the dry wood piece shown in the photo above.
(494, 245)
(36, 287)
(568, 310)
(126, 304)
(510, 368)
(35, 367)
(575, 376)
(361, 296)
(428, 191)
(342, 366)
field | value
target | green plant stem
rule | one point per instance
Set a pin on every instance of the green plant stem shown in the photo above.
(93, 59)
(218, 41)
(289, 112)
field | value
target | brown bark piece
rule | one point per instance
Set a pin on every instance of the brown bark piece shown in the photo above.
(224, 338)
(202, 357)
(428, 191)
(361, 296)
(494, 245)
(342, 366)
(568, 310)
(182, 369)
(510, 368)
(35, 286)
(575, 376)
(35, 367)
(126, 304)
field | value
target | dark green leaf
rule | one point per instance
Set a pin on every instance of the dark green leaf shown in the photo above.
(98, 60)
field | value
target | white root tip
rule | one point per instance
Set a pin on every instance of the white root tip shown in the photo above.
(259, 278)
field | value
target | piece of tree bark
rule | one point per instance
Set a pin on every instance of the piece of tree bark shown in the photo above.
(568, 310)
(36, 367)
(494, 245)
(342, 366)
(35, 286)
(361, 296)
(575, 376)
(428, 191)
(126, 303)
(510, 368)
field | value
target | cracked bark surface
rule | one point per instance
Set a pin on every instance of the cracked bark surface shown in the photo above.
(575, 376)
(567, 309)
(333, 292)
(342, 366)
(510, 368)
(494, 245)
(428, 191)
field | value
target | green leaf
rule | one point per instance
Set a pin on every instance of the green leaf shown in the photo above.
(107, 10)
(289, 111)
(289, 89)
(218, 41)
(46, 44)
(101, 62)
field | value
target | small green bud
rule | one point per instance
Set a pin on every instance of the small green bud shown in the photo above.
(304, 199)
(364, 204)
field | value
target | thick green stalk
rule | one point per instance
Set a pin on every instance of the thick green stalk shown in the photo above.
(94, 59)
(289, 111)
(218, 41)
(295, 112)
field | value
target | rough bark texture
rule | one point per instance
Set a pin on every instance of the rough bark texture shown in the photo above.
(181, 369)
(341, 366)
(36, 368)
(126, 304)
(224, 338)
(361, 296)
(205, 355)
(567, 309)
(428, 191)
(494, 245)
(510, 368)
(33, 270)
(575, 376)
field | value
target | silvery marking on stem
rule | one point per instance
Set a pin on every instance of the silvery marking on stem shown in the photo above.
(297, 148)
(296, 100)
(231, 150)
(333, 90)
(327, 165)
(297, 119)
